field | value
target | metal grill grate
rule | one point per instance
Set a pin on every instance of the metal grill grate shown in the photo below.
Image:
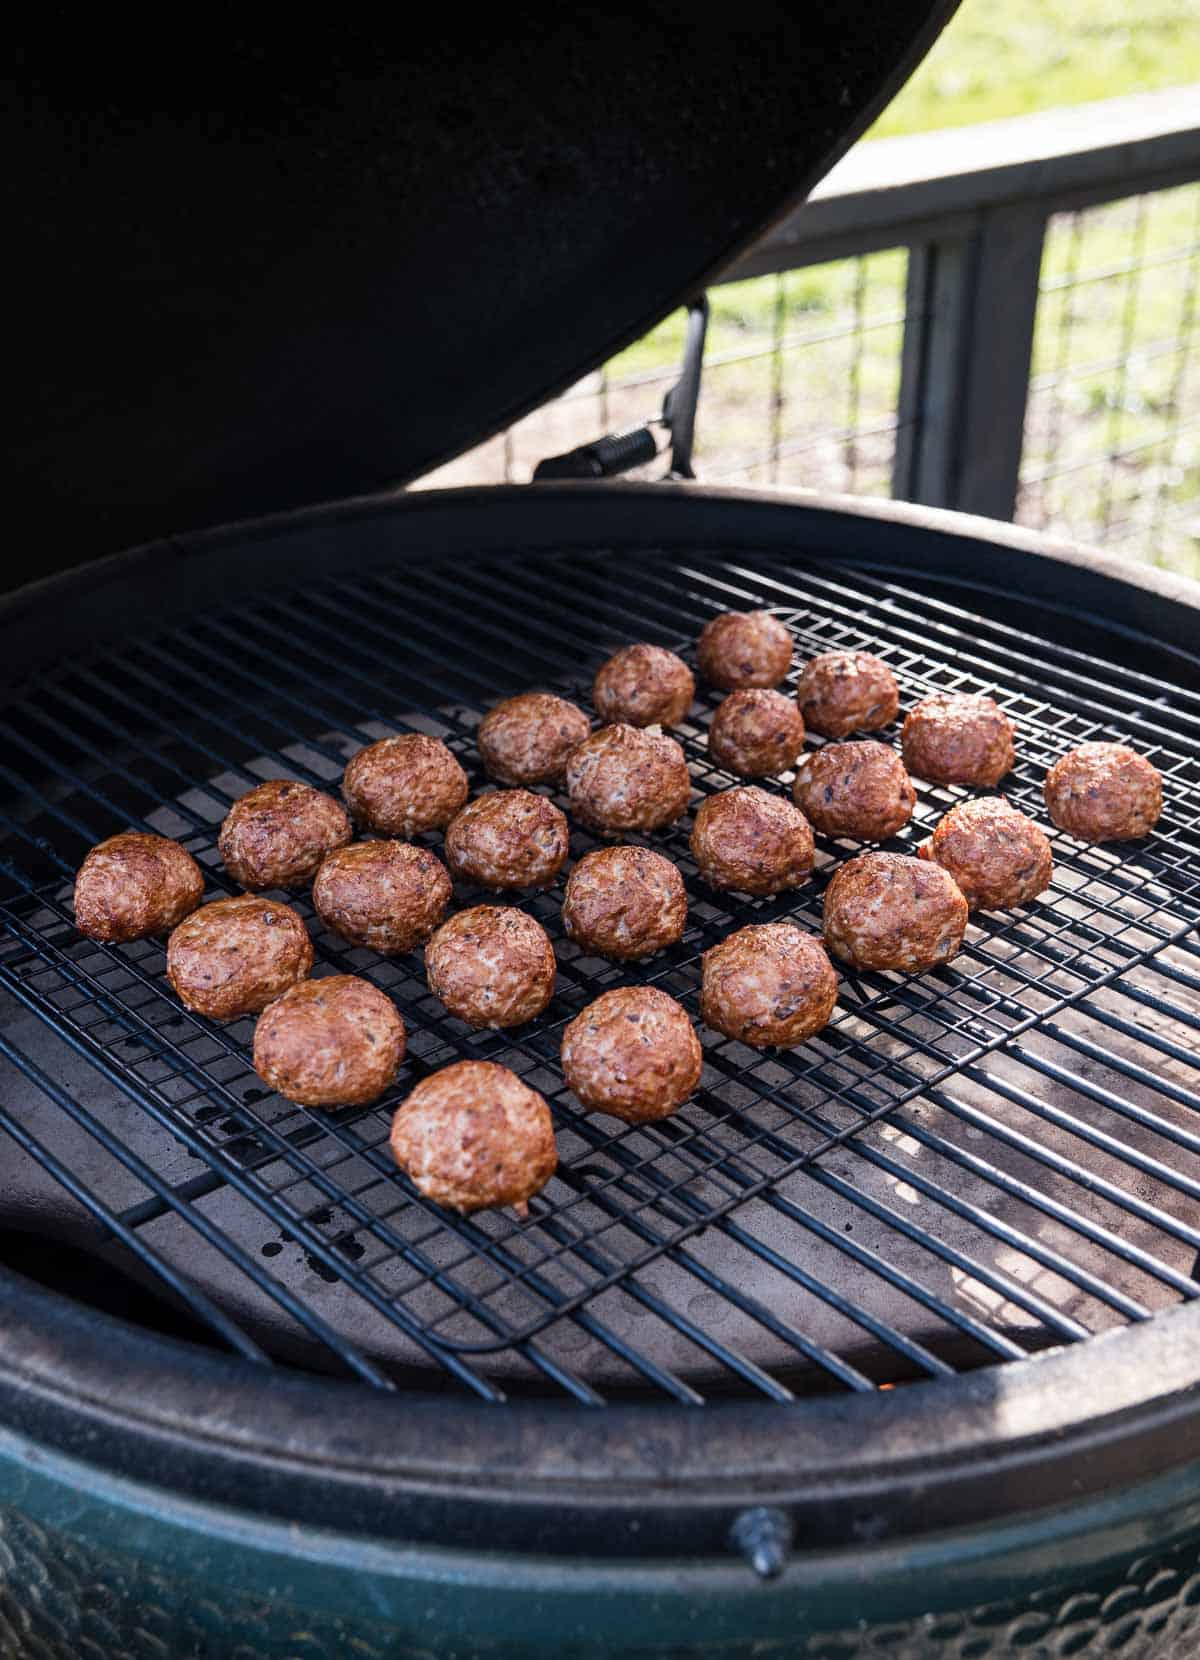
(964, 1168)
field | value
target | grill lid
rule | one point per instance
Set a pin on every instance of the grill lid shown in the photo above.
(266, 273)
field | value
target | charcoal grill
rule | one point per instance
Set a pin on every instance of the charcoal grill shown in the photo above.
(884, 1345)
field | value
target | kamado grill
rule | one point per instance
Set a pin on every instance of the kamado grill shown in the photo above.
(884, 1344)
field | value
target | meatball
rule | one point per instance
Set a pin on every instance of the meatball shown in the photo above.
(389, 896)
(337, 1042)
(771, 986)
(643, 686)
(526, 739)
(276, 835)
(474, 1137)
(752, 842)
(402, 786)
(1104, 793)
(491, 966)
(632, 1053)
(624, 779)
(508, 839)
(841, 692)
(235, 956)
(134, 885)
(886, 910)
(744, 648)
(858, 790)
(756, 732)
(958, 738)
(998, 857)
(624, 902)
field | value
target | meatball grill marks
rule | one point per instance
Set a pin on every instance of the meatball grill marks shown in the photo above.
(886, 910)
(858, 790)
(135, 885)
(624, 902)
(622, 778)
(958, 738)
(756, 732)
(276, 835)
(491, 966)
(643, 685)
(632, 1053)
(235, 956)
(508, 839)
(387, 896)
(840, 692)
(744, 648)
(1104, 792)
(526, 739)
(749, 841)
(998, 857)
(770, 985)
(330, 1043)
(405, 785)
(473, 1137)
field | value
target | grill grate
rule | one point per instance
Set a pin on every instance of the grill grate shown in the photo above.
(964, 1168)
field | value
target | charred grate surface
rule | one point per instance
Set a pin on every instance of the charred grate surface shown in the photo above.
(965, 1168)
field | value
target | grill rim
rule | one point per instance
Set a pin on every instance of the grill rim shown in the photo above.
(64, 1369)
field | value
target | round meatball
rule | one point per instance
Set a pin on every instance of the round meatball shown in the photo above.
(632, 1053)
(389, 896)
(276, 835)
(1104, 793)
(997, 856)
(750, 841)
(624, 902)
(134, 885)
(526, 739)
(744, 648)
(857, 790)
(841, 692)
(491, 966)
(886, 910)
(622, 778)
(958, 738)
(337, 1042)
(756, 732)
(402, 786)
(235, 956)
(643, 686)
(508, 839)
(771, 986)
(474, 1137)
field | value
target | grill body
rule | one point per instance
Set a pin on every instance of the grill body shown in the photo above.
(1040, 1501)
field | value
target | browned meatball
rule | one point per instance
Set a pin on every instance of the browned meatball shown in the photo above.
(624, 779)
(756, 732)
(508, 839)
(632, 1053)
(276, 835)
(402, 786)
(389, 896)
(474, 1137)
(643, 686)
(750, 841)
(958, 738)
(235, 956)
(998, 857)
(330, 1043)
(744, 648)
(134, 885)
(858, 790)
(1104, 793)
(624, 902)
(526, 739)
(886, 910)
(841, 692)
(491, 966)
(771, 986)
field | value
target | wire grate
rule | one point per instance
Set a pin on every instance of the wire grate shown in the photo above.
(963, 1168)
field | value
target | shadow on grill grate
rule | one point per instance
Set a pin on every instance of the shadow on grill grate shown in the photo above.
(964, 1167)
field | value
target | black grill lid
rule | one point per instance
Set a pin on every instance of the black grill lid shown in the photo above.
(258, 273)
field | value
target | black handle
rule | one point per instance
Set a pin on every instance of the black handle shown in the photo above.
(603, 459)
